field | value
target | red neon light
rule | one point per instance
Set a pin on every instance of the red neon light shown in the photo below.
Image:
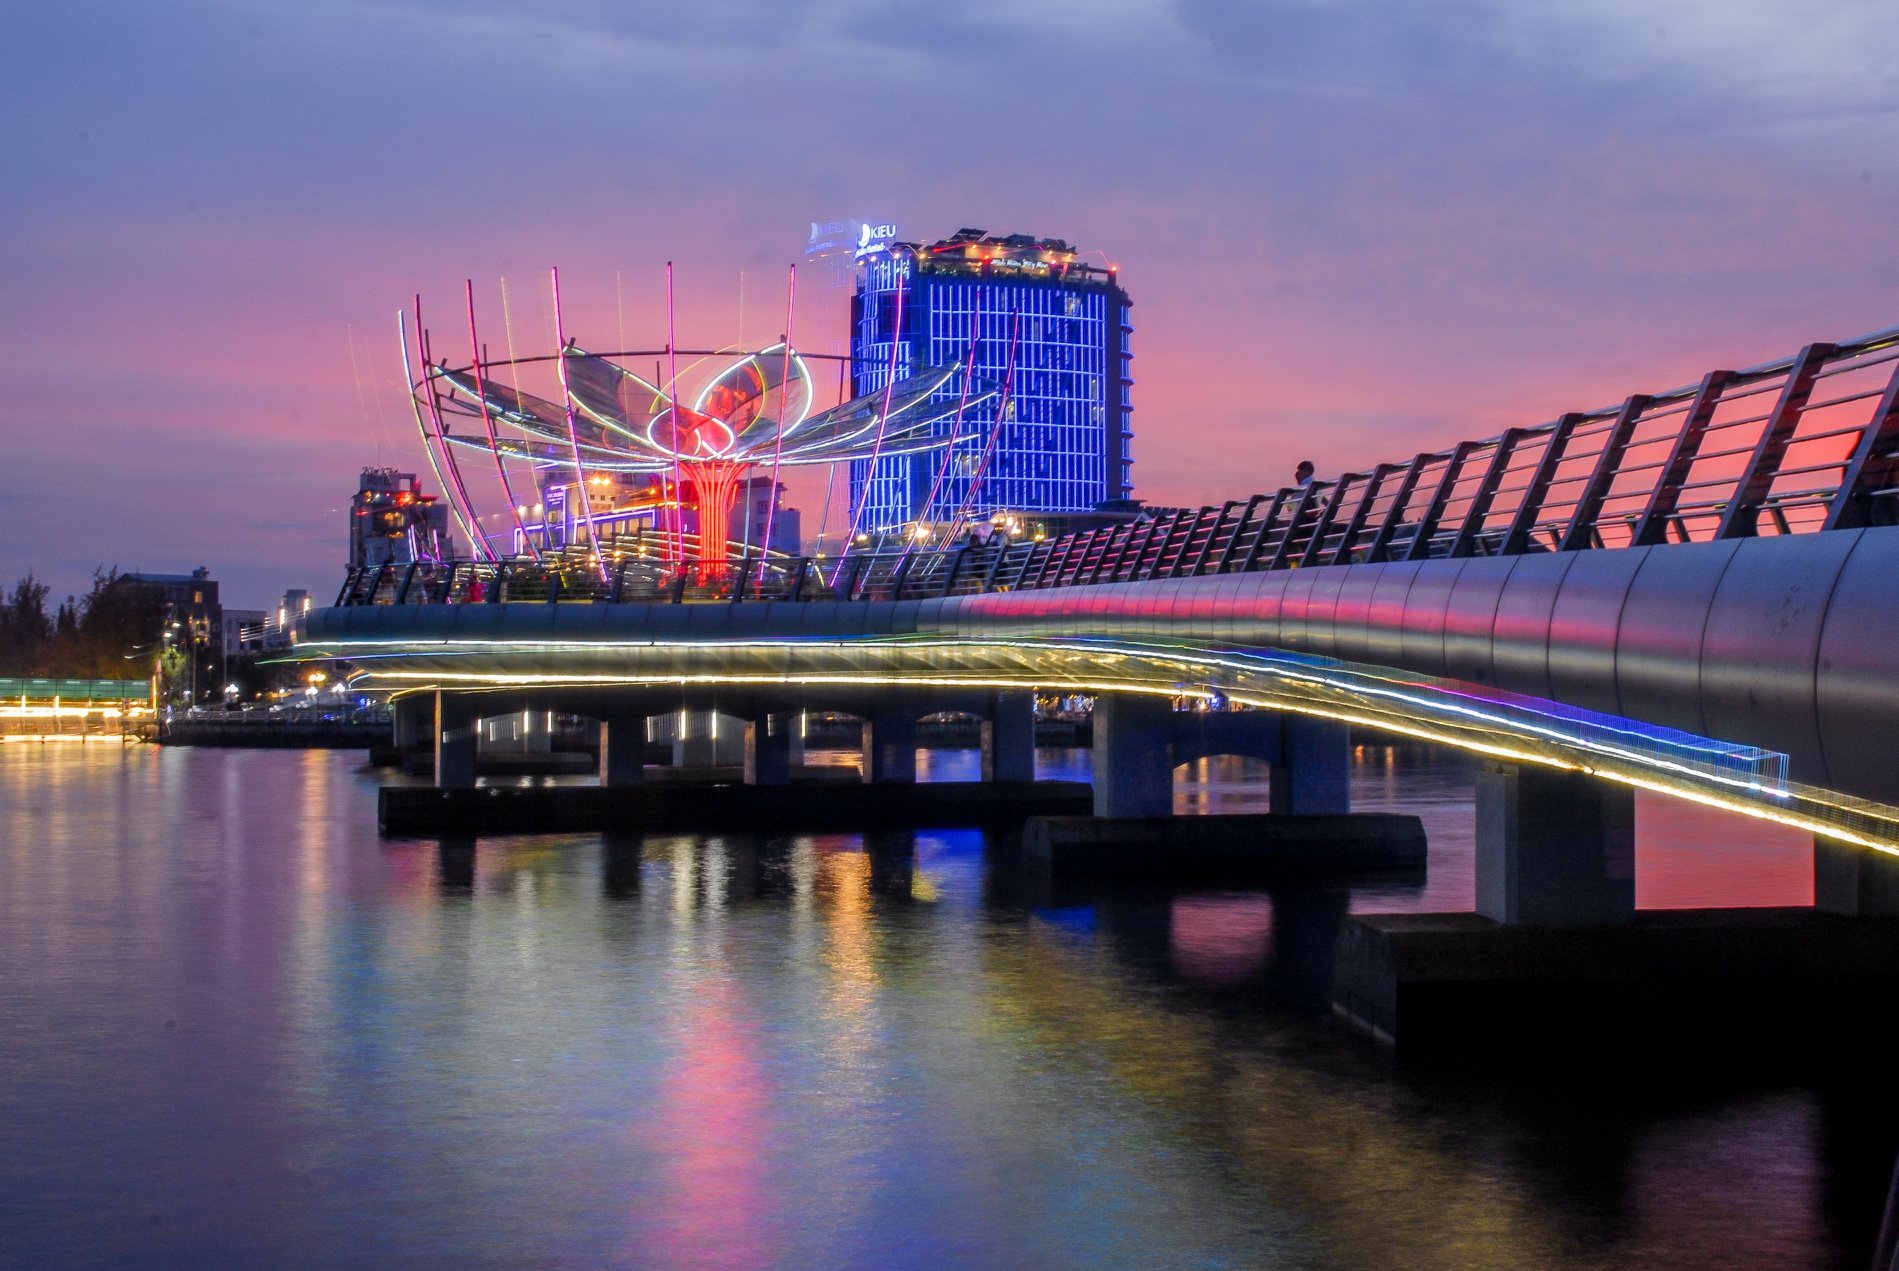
(494, 443)
(573, 435)
(460, 491)
(778, 438)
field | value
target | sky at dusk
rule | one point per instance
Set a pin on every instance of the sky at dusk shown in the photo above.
(1351, 230)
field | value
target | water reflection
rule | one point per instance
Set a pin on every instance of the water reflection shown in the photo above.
(245, 1030)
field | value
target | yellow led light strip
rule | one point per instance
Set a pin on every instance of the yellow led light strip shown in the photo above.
(1426, 714)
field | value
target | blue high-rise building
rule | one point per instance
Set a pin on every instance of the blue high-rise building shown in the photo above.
(1061, 442)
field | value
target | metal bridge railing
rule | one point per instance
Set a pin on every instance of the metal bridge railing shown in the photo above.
(1801, 445)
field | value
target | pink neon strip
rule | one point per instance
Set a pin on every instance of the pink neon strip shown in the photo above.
(455, 489)
(494, 442)
(956, 429)
(672, 409)
(428, 449)
(573, 436)
(778, 437)
(883, 419)
(1002, 413)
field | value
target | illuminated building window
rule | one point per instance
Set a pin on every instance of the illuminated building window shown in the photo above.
(1068, 324)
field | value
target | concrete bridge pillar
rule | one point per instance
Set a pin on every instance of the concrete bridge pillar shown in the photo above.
(1854, 880)
(1315, 766)
(1134, 755)
(890, 747)
(413, 722)
(1008, 737)
(768, 739)
(707, 740)
(1554, 848)
(456, 721)
(622, 747)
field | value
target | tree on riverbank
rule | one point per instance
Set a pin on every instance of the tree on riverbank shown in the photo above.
(111, 633)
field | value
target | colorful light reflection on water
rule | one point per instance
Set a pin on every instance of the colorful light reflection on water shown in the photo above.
(241, 1029)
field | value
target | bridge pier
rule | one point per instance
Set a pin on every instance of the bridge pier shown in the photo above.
(457, 724)
(1008, 737)
(768, 745)
(1856, 881)
(413, 722)
(1134, 755)
(1554, 848)
(1313, 776)
(704, 740)
(890, 746)
(622, 747)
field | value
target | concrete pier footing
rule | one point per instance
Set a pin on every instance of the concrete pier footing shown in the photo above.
(678, 805)
(1854, 880)
(1554, 848)
(1558, 953)
(1777, 976)
(1229, 847)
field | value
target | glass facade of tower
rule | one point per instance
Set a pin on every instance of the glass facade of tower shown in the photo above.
(1056, 439)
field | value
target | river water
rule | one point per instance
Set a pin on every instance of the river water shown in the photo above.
(240, 1029)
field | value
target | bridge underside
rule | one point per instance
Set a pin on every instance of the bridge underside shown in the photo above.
(584, 672)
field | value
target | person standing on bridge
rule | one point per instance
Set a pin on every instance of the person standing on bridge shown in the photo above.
(1302, 475)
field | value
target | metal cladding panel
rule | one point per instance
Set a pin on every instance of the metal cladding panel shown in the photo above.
(903, 617)
(1222, 603)
(1141, 614)
(930, 614)
(1857, 692)
(1322, 608)
(1351, 612)
(582, 622)
(1424, 606)
(1520, 651)
(1294, 604)
(880, 618)
(1583, 627)
(1470, 617)
(1658, 643)
(817, 618)
(1196, 599)
(1247, 608)
(747, 620)
(529, 621)
(1762, 646)
(1381, 642)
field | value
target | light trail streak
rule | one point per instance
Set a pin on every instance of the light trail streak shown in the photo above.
(1506, 730)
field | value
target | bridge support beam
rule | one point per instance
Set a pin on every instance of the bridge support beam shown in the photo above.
(1854, 880)
(768, 744)
(1554, 848)
(890, 747)
(707, 740)
(457, 722)
(622, 748)
(1134, 755)
(1314, 772)
(1008, 737)
(414, 721)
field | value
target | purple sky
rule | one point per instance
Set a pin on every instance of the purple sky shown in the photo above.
(1351, 231)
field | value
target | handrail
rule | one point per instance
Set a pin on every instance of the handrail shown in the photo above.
(1565, 485)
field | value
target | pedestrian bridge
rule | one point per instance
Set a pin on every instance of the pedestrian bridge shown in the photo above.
(1691, 591)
